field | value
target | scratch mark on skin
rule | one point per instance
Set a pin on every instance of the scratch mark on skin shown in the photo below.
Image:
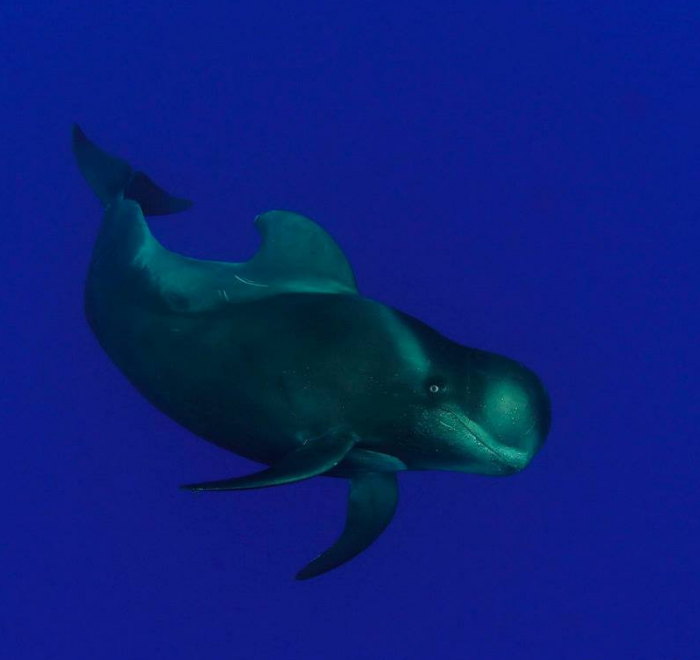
(452, 428)
(245, 281)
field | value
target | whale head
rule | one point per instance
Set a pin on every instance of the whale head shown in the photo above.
(476, 411)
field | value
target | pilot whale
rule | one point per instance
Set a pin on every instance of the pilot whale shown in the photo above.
(281, 360)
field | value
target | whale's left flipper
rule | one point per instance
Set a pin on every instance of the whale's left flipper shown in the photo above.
(315, 457)
(372, 503)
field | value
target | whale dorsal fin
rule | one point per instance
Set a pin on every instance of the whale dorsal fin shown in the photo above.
(297, 255)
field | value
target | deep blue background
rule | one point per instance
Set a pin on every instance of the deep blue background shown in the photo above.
(521, 175)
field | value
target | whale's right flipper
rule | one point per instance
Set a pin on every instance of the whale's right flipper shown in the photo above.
(372, 503)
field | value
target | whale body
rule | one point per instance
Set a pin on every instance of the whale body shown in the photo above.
(281, 360)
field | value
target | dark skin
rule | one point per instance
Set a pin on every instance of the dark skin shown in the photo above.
(280, 360)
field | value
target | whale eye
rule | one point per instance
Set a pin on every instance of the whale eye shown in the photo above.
(436, 386)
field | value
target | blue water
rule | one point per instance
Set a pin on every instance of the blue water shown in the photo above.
(523, 176)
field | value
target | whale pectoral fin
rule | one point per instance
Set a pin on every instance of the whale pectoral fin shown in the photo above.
(315, 457)
(361, 461)
(371, 506)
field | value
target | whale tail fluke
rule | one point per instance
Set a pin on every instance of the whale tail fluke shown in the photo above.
(111, 177)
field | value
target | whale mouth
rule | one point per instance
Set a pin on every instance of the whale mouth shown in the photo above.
(506, 460)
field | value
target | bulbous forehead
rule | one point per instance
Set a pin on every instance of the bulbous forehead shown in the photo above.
(508, 405)
(505, 397)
